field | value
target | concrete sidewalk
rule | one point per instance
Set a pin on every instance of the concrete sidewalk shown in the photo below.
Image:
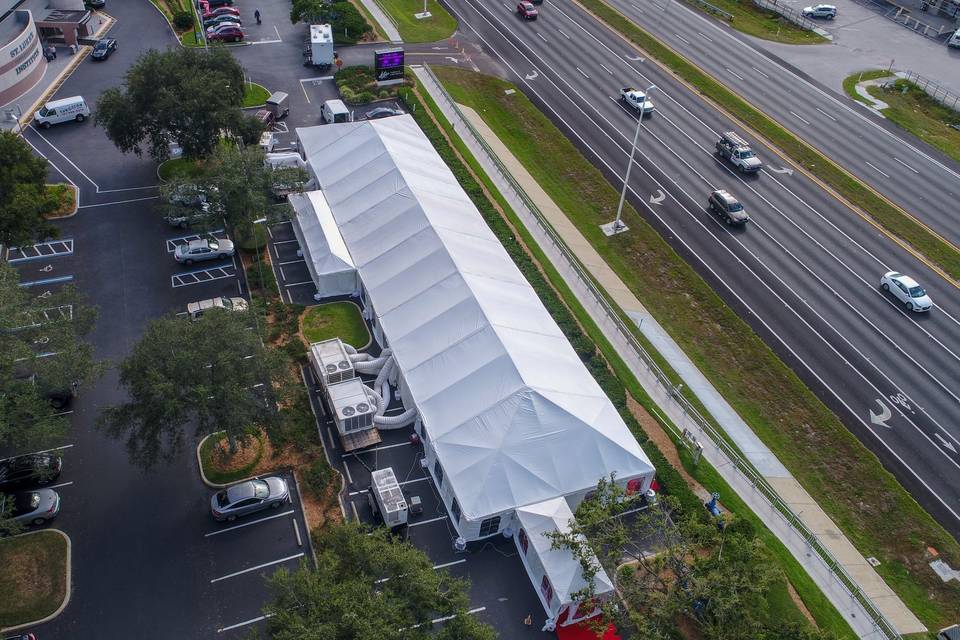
(764, 461)
(383, 20)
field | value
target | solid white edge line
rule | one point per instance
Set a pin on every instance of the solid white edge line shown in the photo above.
(245, 623)
(422, 522)
(247, 524)
(259, 566)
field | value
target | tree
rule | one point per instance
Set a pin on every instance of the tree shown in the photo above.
(368, 587)
(24, 200)
(42, 356)
(669, 565)
(184, 95)
(213, 372)
(346, 22)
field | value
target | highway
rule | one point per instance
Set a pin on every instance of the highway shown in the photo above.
(917, 178)
(804, 273)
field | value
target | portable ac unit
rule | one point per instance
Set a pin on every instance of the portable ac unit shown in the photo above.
(388, 497)
(352, 410)
(330, 362)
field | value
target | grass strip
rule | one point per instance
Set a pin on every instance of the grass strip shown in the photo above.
(439, 26)
(762, 23)
(335, 320)
(218, 468)
(605, 365)
(850, 83)
(888, 216)
(254, 95)
(34, 577)
(879, 517)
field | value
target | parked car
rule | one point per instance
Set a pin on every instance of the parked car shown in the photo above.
(249, 497)
(382, 112)
(103, 48)
(32, 507)
(33, 469)
(728, 208)
(196, 309)
(21, 636)
(225, 33)
(527, 11)
(907, 290)
(827, 11)
(203, 249)
(226, 18)
(221, 11)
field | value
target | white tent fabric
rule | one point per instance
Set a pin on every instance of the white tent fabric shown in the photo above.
(325, 252)
(560, 566)
(513, 415)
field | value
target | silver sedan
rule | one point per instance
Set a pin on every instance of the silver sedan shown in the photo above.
(248, 497)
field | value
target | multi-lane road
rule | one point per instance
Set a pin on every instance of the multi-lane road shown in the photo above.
(804, 274)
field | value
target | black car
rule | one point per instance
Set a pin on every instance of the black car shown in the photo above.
(31, 470)
(103, 48)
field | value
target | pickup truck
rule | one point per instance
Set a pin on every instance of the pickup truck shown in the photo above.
(737, 150)
(637, 99)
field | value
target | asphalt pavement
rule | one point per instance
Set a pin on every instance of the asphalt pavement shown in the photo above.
(805, 272)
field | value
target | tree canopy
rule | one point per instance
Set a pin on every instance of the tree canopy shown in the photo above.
(188, 96)
(214, 373)
(369, 587)
(24, 200)
(346, 22)
(42, 356)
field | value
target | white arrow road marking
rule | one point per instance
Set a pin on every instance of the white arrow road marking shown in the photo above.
(883, 416)
(785, 170)
(452, 59)
(637, 59)
(533, 75)
(946, 444)
(658, 198)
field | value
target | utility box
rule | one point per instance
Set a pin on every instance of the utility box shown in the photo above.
(321, 46)
(330, 362)
(278, 104)
(386, 498)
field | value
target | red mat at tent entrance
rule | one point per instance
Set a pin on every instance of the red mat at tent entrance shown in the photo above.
(582, 631)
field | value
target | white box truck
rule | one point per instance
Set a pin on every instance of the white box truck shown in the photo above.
(335, 111)
(386, 498)
(63, 110)
(320, 52)
(954, 40)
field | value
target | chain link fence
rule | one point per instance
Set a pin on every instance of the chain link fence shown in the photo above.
(791, 14)
(932, 88)
(512, 191)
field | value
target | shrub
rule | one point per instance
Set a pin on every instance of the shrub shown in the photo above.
(183, 20)
(318, 477)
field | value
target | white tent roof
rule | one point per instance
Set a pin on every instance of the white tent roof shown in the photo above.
(561, 567)
(325, 252)
(514, 416)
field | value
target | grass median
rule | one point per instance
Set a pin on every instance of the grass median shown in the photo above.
(439, 26)
(891, 218)
(34, 577)
(868, 504)
(763, 23)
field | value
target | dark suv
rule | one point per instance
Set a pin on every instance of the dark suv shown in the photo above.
(34, 469)
(727, 207)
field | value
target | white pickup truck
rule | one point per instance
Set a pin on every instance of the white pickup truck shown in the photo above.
(637, 99)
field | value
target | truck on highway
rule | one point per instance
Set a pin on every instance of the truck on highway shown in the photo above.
(737, 150)
(637, 100)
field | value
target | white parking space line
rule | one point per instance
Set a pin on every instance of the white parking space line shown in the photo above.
(435, 567)
(173, 243)
(826, 114)
(299, 284)
(761, 73)
(734, 73)
(682, 39)
(906, 165)
(375, 449)
(247, 524)
(57, 280)
(280, 264)
(402, 484)
(423, 522)
(446, 618)
(41, 250)
(259, 566)
(284, 241)
(799, 117)
(107, 204)
(202, 275)
(312, 81)
(245, 623)
(877, 169)
(62, 484)
(33, 453)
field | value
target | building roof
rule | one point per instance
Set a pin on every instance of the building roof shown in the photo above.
(514, 416)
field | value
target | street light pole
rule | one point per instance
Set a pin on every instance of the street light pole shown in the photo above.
(617, 226)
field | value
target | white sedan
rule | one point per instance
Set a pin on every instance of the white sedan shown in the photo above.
(907, 290)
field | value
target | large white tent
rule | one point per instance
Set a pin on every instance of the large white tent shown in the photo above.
(511, 413)
(324, 251)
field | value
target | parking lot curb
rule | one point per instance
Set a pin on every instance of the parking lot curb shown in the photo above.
(316, 419)
(76, 201)
(203, 476)
(68, 586)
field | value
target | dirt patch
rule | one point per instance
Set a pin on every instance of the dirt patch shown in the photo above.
(222, 462)
(319, 510)
(799, 603)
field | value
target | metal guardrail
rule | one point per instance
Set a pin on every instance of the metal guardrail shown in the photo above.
(787, 12)
(706, 6)
(742, 465)
(933, 89)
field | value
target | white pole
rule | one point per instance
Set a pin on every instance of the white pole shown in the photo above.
(618, 223)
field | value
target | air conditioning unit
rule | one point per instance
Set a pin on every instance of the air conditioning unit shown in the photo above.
(330, 362)
(387, 498)
(352, 409)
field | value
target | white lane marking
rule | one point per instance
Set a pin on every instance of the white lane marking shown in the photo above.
(52, 164)
(107, 204)
(245, 623)
(799, 117)
(734, 73)
(283, 241)
(606, 69)
(705, 36)
(826, 114)
(563, 34)
(62, 484)
(877, 169)
(856, 415)
(906, 165)
(582, 73)
(540, 36)
(299, 284)
(682, 38)
(33, 453)
(283, 264)
(247, 524)
(259, 566)
(80, 171)
(760, 72)
(422, 522)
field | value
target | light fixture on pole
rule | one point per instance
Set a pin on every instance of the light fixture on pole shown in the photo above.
(617, 226)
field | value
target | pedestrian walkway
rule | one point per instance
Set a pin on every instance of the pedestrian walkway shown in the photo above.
(386, 24)
(841, 572)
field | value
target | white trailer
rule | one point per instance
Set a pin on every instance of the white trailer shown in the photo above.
(320, 50)
(386, 498)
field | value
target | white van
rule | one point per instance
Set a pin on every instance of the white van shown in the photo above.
(954, 40)
(57, 111)
(335, 111)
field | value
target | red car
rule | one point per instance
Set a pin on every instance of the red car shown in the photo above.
(225, 33)
(221, 11)
(527, 11)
